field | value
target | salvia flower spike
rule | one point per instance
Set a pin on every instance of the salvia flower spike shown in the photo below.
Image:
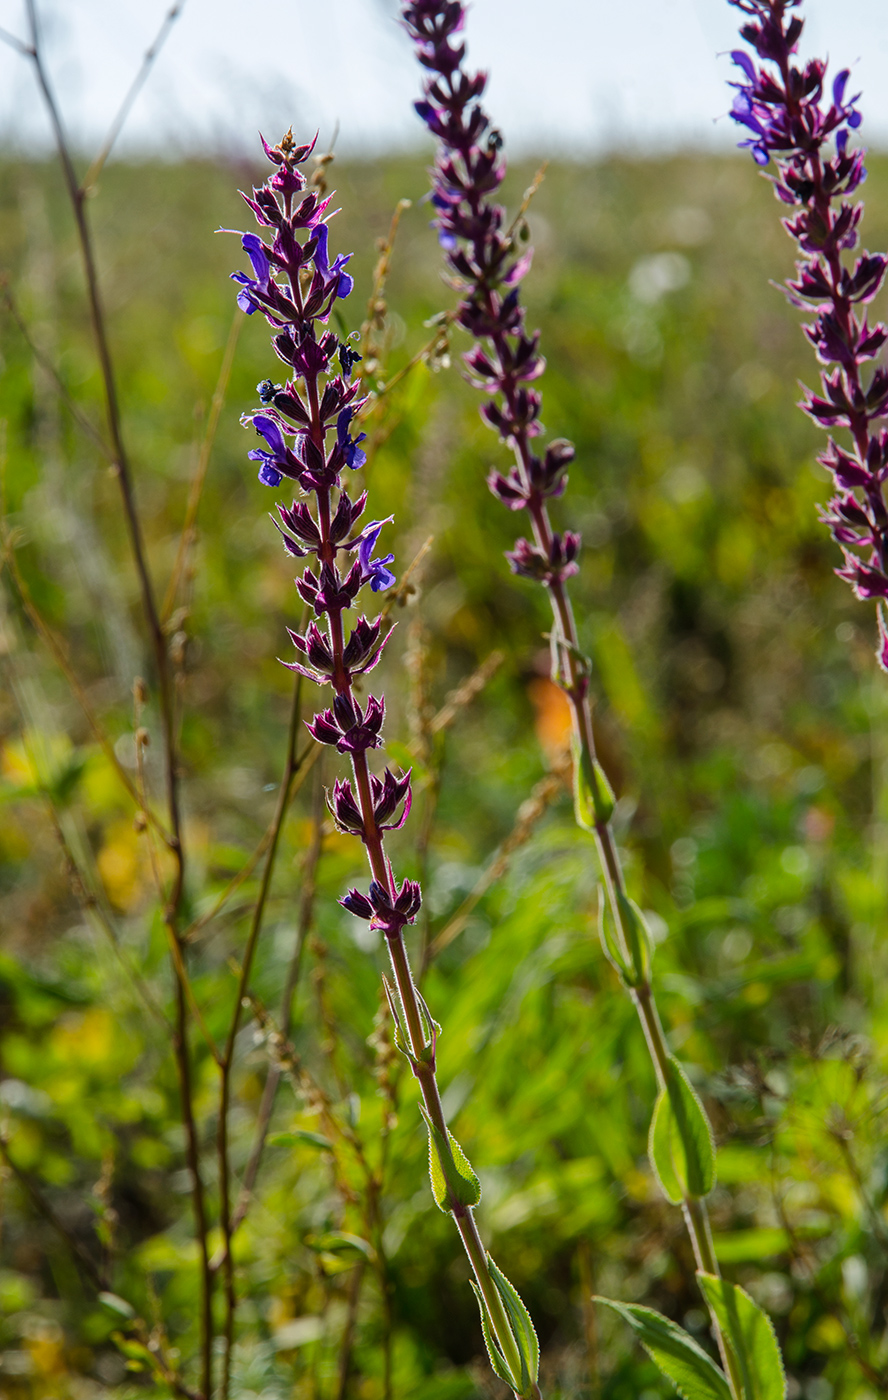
(306, 437)
(487, 262)
(805, 128)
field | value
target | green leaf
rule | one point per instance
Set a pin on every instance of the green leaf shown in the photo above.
(680, 1145)
(693, 1373)
(497, 1360)
(660, 1150)
(430, 1028)
(451, 1175)
(136, 1351)
(593, 795)
(607, 935)
(750, 1336)
(638, 939)
(399, 1035)
(522, 1327)
(65, 781)
(742, 1246)
(338, 1242)
(299, 1135)
(117, 1304)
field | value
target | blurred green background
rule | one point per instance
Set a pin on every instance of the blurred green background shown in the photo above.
(741, 718)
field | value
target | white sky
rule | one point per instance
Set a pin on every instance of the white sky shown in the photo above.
(570, 75)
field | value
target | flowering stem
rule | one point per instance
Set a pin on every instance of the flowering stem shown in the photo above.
(487, 268)
(294, 285)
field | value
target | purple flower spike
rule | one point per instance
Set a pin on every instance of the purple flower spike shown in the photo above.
(295, 284)
(782, 102)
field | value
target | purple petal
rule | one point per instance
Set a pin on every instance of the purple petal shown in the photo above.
(271, 432)
(743, 61)
(839, 84)
(382, 576)
(255, 250)
(321, 258)
(367, 545)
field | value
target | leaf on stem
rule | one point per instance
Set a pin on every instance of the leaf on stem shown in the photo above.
(638, 938)
(523, 1329)
(453, 1179)
(680, 1144)
(693, 1373)
(749, 1333)
(609, 944)
(497, 1360)
(302, 1137)
(593, 795)
(635, 971)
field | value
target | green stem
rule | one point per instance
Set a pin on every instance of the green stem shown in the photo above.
(462, 1215)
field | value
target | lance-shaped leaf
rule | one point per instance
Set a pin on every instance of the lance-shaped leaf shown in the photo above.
(497, 1360)
(523, 1333)
(430, 1028)
(635, 968)
(693, 1373)
(451, 1174)
(607, 934)
(593, 795)
(750, 1336)
(680, 1145)
(522, 1328)
(117, 1304)
(638, 938)
(399, 1033)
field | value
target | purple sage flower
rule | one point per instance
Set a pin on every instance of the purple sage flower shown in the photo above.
(296, 286)
(782, 104)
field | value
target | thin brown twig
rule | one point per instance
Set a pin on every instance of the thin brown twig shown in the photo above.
(57, 648)
(92, 1272)
(15, 43)
(405, 588)
(464, 694)
(226, 1059)
(304, 764)
(273, 1078)
(132, 93)
(529, 195)
(376, 305)
(85, 1261)
(120, 458)
(432, 348)
(122, 469)
(542, 795)
(95, 908)
(45, 363)
(186, 538)
(348, 1331)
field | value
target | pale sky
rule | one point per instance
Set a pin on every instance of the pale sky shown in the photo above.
(582, 76)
